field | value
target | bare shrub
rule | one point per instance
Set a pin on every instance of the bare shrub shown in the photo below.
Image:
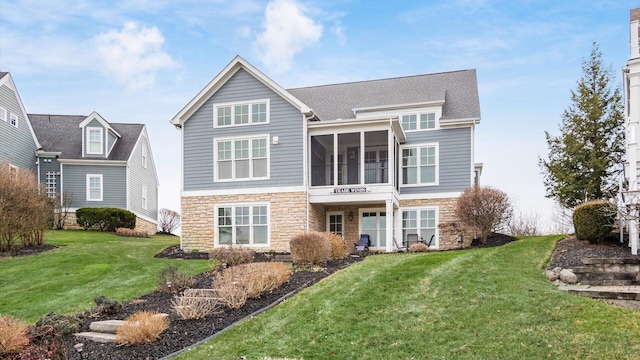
(419, 247)
(172, 280)
(525, 224)
(194, 305)
(169, 220)
(231, 256)
(310, 248)
(143, 327)
(105, 306)
(484, 208)
(230, 287)
(237, 284)
(338, 246)
(61, 205)
(131, 233)
(13, 336)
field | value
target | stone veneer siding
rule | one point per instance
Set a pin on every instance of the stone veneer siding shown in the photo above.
(287, 217)
(143, 225)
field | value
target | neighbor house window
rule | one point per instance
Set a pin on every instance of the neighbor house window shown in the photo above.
(421, 222)
(244, 158)
(144, 156)
(13, 120)
(94, 140)
(246, 113)
(243, 224)
(3, 114)
(420, 165)
(144, 197)
(421, 121)
(51, 184)
(94, 187)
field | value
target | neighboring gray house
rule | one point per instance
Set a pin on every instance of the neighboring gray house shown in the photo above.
(387, 158)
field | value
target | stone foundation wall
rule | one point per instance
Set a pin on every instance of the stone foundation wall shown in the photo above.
(287, 215)
(141, 224)
(317, 217)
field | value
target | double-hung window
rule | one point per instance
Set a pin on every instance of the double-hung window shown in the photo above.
(94, 187)
(420, 121)
(420, 165)
(238, 114)
(13, 120)
(421, 222)
(243, 224)
(95, 141)
(242, 158)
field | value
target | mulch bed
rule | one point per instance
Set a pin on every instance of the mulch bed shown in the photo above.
(22, 251)
(569, 252)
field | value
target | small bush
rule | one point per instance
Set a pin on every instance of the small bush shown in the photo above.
(310, 248)
(13, 336)
(172, 280)
(231, 256)
(61, 324)
(105, 306)
(143, 327)
(106, 219)
(230, 287)
(594, 220)
(338, 246)
(131, 233)
(193, 305)
(237, 284)
(419, 247)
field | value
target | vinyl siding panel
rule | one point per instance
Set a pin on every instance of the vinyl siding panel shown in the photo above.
(95, 124)
(139, 176)
(16, 144)
(286, 122)
(455, 165)
(114, 191)
(111, 140)
(45, 167)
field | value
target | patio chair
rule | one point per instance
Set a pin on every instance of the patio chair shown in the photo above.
(399, 247)
(363, 243)
(430, 241)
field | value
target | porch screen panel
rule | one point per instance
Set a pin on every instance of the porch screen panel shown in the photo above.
(349, 145)
(322, 160)
(376, 158)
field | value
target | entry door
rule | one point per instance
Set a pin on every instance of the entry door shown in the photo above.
(335, 222)
(374, 223)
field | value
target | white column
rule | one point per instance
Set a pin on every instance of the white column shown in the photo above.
(389, 225)
(632, 151)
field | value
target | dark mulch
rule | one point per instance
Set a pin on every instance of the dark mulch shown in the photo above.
(494, 239)
(569, 252)
(25, 251)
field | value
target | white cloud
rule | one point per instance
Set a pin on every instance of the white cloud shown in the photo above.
(287, 31)
(338, 31)
(133, 55)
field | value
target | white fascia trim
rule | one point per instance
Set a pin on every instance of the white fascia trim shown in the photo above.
(245, 191)
(223, 76)
(428, 196)
(346, 122)
(92, 162)
(144, 134)
(459, 122)
(8, 81)
(399, 106)
(101, 120)
(42, 153)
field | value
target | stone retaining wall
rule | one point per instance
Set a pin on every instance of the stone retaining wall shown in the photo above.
(141, 224)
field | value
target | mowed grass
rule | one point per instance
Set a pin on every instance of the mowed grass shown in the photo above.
(85, 265)
(476, 304)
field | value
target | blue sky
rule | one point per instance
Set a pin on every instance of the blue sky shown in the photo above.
(142, 61)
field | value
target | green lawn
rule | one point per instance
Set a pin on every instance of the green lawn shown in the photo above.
(85, 265)
(477, 304)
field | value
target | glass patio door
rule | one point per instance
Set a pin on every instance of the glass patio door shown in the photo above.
(374, 223)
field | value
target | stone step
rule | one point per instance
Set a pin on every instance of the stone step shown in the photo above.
(98, 336)
(283, 258)
(607, 276)
(631, 293)
(107, 326)
(607, 268)
(599, 282)
(588, 261)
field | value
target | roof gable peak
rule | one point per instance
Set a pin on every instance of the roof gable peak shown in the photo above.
(101, 120)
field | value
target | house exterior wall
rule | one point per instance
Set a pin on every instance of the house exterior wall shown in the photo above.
(16, 143)
(140, 176)
(111, 140)
(114, 192)
(46, 165)
(286, 122)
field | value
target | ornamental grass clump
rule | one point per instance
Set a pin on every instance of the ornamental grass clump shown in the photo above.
(193, 304)
(236, 284)
(338, 246)
(419, 247)
(310, 248)
(126, 232)
(230, 256)
(13, 337)
(143, 327)
(594, 220)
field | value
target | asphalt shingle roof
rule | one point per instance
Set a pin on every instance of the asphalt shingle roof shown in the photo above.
(459, 89)
(61, 133)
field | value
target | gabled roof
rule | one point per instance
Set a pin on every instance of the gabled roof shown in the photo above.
(7, 79)
(62, 133)
(457, 89)
(100, 119)
(216, 83)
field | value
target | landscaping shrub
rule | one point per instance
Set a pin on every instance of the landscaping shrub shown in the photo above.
(594, 220)
(61, 324)
(230, 288)
(419, 247)
(168, 220)
(143, 327)
(172, 280)
(105, 306)
(310, 248)
(44, 344)
(106, 219)
(231, 256)
(236, 284)
(485, 209)
(13, 337)
(131, 233)
(338, 246)
(194, 305)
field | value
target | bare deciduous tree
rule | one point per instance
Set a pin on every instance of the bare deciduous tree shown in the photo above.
(169, 220)
(61, 204)
(524, 224)
(485, 209)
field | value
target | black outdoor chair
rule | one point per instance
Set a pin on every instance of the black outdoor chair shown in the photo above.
(364, 243)
(412, 239)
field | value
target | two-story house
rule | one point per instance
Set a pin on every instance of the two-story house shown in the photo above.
(386, 157)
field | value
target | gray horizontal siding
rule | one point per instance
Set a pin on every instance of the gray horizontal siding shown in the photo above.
(46, 167)
(286, 158)
(454, 159)
(139, 176)
(111, 139)
(16, 144)
(114, 191)
(95, 124)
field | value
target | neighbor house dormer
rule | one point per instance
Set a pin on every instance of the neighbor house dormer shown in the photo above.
(98, 137)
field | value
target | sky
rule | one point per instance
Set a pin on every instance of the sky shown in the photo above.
(141, 61)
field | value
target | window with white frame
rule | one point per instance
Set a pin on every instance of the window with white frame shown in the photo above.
(243, 224)
(144, 156)
(94, 187)
(144, 197)
(95, 140)
(13, 120)
(51, 184)
(242, 158)
(420, 165)
(246, 113)
(421, 222)
(3, 114)
(421, 121)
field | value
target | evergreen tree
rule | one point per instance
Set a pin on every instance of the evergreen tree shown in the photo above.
(585, 160)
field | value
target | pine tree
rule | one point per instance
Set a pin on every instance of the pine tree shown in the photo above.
(585, 160)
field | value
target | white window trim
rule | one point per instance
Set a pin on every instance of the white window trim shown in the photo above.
(233, 105)
(417, 114)
(216, 174)
(144, 156)
(233, 224)
(89, 176)
(88, 142)
(436, 243)
(328, 216)
(418, 183)
(144, 197)
(3, 114)
(13, 117)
